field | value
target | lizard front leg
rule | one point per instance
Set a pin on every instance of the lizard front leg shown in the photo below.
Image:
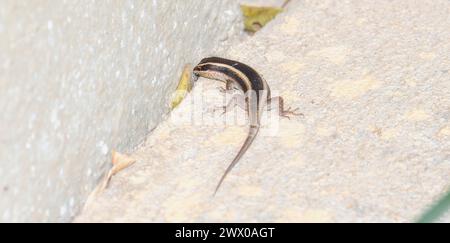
(237, 100)
(230, 87)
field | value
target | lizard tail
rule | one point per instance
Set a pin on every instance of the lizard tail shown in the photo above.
(250, 138)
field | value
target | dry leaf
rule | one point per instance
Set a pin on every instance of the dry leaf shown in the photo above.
(120, 162)
(257, 17)
(184, 86)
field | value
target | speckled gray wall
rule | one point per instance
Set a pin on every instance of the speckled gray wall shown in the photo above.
(80, 78)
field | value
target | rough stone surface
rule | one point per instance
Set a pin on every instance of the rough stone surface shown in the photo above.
(80, 78)
(372, 79)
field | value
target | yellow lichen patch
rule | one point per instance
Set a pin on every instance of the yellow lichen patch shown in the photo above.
(292, 67)
(444, 132)
(290, 25)
(417, 115)
(335, 54)
(291, 134)
(250, 191)
(351, 89)
(294, 215)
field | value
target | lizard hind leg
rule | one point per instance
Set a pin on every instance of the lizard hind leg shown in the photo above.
(278, 102)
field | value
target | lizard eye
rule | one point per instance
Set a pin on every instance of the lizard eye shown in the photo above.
(198, 69)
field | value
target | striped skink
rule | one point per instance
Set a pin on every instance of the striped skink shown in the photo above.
(257, 95)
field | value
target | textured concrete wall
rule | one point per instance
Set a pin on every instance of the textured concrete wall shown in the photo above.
(80, 78)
